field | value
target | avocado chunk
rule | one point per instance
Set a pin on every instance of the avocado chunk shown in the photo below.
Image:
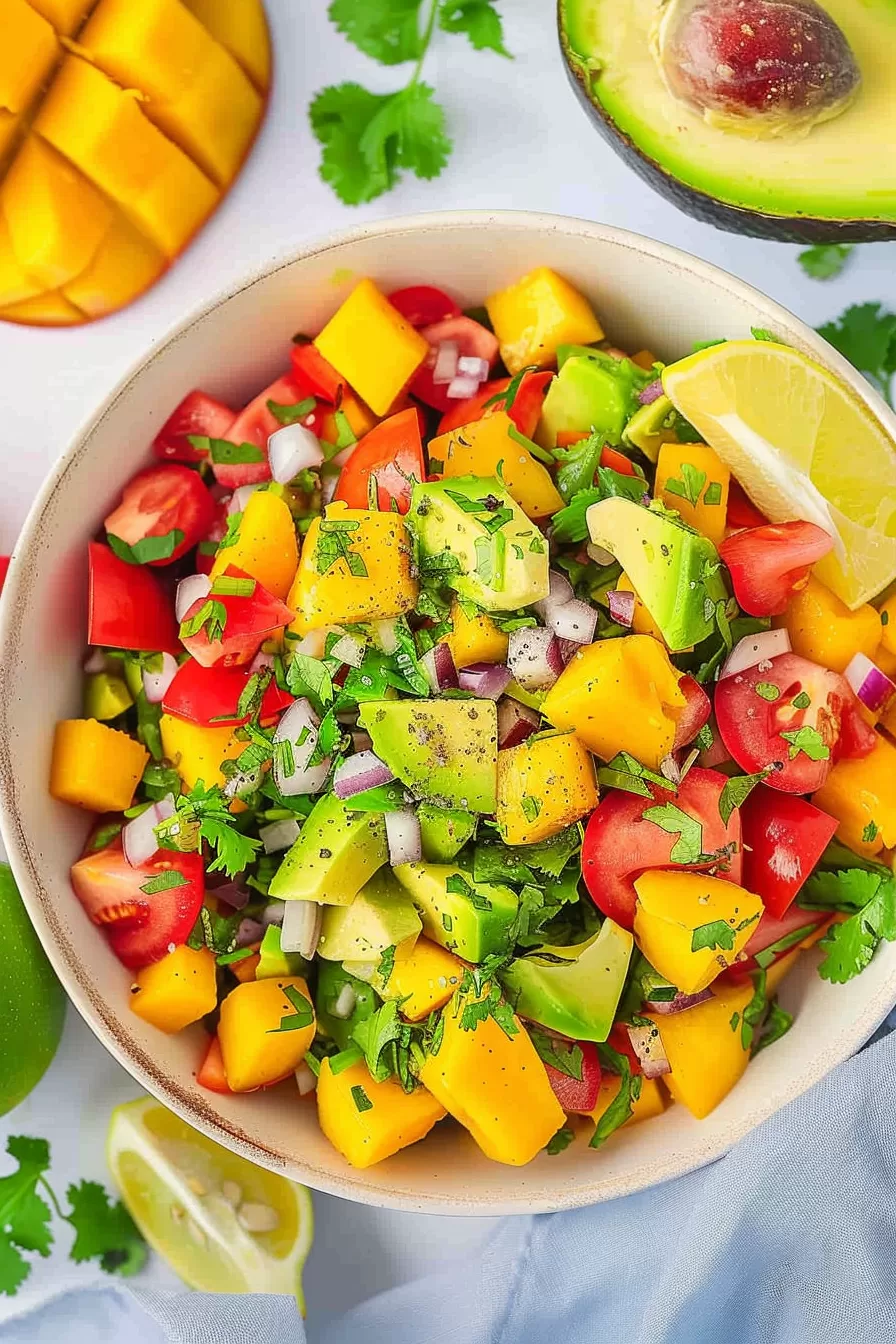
(469, 530)
(335, 854)
(648, 429)
(793, 185)
(381, 915)
(444, 751)
(674, 570)
(331, 981)
(273, 962)
(473, 919)
(573, 990)
(444, 831)
(593, 391)
(105, 696)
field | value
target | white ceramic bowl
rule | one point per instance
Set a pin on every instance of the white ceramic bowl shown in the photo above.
(646, 295)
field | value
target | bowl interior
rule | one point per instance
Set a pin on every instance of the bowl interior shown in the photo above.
(647, 296)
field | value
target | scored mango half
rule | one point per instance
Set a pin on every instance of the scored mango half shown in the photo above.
(122, 126)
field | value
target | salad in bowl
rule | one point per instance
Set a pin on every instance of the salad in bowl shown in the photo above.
(480, 723)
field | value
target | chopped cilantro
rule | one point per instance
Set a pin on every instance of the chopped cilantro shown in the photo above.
(870, 833)
(361, 1099)
(825, 261)
(287, 415)
(302, 1015)
(865, 334)
(689, 845)
(736, 791)
(713, 493)
(777, 1024)
(767, 690)
(578, 466)
(560, 1142)
(564, 1056)
(147, 549)
(870, 896)
(333, 546)
(690, 486)
(167, 880)
(309, 679)
(808, 741)
(531, 806)
(620, 1108)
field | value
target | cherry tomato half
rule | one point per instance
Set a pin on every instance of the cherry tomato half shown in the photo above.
(423, 305)
(248, 621)
(462, 413)
(253, 426)
(577, 1095)
(127, 608)
(197, 414)
(391, 455)
(769, 564)
(161, 501)
(471, 338)
(742, 512)
(784, 837)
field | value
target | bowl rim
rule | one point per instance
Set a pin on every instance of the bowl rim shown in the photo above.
(24, 862)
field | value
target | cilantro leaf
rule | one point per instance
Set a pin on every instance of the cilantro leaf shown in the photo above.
(564, 1056)
(620, 1108)
(690, 486)
(736, 791)
(865, 334)
(147, 548)
(578, 466)
(825, 261)
(408, 131)
(478, 19)
(560, 1142)
(569, 524)
(777, 1024)
(301, 1017)
(689, 845)
(755, 1011)
(717, 934)
(843, 889)
(309, 679)
(339, 117)
(205, 814)
(808, 741)
(24, 1216)
(375, 1034)
(388, 31)
(849, 946)
(105, 1231)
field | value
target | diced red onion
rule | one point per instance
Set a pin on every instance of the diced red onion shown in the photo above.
(487, 680)
(261, 662)
(305, 1080)
(273, 913)
(462, 387)
(328, 487)
(561, 592)
(349, 650)
(648, 1046)
(299, 722)
(96, 661)
(679, 1003)
(438, 667)
(599, 554)
(575, 620)
(873, 687)
(472, 366)
(403, 837)
(386, 636)
(651, 393)
(240, 498)
(753, 650)
(516, 722)
(568, 649)
(359, 773)
(250, 931)
(232, 894)
(301, 928)
(292, 449)
(346, 1002)
(535, 658)
(155, 684)
(138, 838)
(279, 835)
(669, 769)
(622, 606)
(194, 588)
(445, 367)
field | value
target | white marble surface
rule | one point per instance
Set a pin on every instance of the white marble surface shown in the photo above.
(521, 142)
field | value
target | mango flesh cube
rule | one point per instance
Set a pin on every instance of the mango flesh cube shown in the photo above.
(705, 1047)
(536, 315)
(178, 990)
(372, 346)
(27, 54)
(691, 926)
(242, 30)
(123, 266)
(16, 285)
(9, 129)
(64, 15)
(368, 1121)
(49, 309)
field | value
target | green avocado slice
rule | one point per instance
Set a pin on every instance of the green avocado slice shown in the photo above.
(473, 919)
(444, 751)
(572, 990)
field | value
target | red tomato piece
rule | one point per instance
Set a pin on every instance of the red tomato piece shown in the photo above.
(770, 931)
(577, 1095)
(695, 713)
(392, 455)
(254, 425)
(4, 569)
(423, 305)
(197, 414)
(140, 925)
(784, 837)
(314, 374)
(621, 843)
(826, 721)
(462, 413)
(525, 411)
(616, 461)
(208, 546)
(159, 501)
(248, 622)
(472, 339)
(211, 1073)
(742, 512)
(127, 608)
(769, 564)
(209, 695)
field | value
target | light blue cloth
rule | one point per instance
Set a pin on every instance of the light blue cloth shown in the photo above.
(790, 1239)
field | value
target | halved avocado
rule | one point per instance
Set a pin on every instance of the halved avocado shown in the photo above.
(835, 183)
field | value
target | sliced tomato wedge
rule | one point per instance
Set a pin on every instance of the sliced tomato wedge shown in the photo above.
(695, 714)
(210, 695)
(253, 426)
(314, 374)
(140, 925)
(462, 413)
(525, 410)
(208, 545)
(471, 338)
(770, 931)
(127, 608)
(577, 1095)
(248, 620)
(211, 1073)
(162, 501)
(742, 512)
(391, 456)
(197, 414)
(784, 837)
(816, 709)
(621, 843)
(423, 305)
(769, 564)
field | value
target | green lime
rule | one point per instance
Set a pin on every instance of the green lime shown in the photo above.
(32, 1004)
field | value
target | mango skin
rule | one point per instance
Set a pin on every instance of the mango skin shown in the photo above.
(32, 1004)
(255, 1053)
(365, 1135)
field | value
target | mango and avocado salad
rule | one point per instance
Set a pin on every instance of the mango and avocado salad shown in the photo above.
(495, 737)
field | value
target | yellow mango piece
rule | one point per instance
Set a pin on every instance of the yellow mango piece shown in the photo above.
(424, 976)
(178, 990)
(861, 794)
(94, 766)
(254, 1050)
(619, 695)
(475, 639)
(326, 591)
(651, 1101)
(242, 28)
(16, 286)
(195, 90)
(51, 309)
(196, 751)
(27, 54)
(367, 1121)
(538, 313)
(265, 547)
(63, 15)
(888, 625)
(692, 927)
(686, 470)
(824, 630)
(642, 621)
(112, 141)
(705, 1048)
(372, 346)
(56, 218)
(494, 1085)
(10, 125)
(124, 265)
(544, 785)
(480, 448)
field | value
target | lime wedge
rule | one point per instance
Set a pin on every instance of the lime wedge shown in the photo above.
(221, 1223)
(802, 446)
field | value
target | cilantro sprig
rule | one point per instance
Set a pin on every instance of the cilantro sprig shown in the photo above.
(868, 896)
(865, 334)
(826, 261)
(204, 814)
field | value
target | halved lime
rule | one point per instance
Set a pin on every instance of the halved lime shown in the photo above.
(221, 1223)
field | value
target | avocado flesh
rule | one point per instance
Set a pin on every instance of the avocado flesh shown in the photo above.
(798, 187)
(470, 918)
(588, 393)
(331, 980)
(577, 991)
(105, 696)
(273, 962)
(380, 916)
(336, 853)
(444, 831)
(444, 751)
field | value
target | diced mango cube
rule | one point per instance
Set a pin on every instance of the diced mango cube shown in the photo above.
(16, 285)
(423, 977)
(242, 29)
(355, 567)
(475, 639)
(823, 629)
(64, 15)
(536, 315)
(368, 1121)
(693, 479)
(706, 1048)
(94, 766)
(178, 990)
(196, 750)
(256, 1050)
(265, 546)
(691, 927)
(544, 785)
(860, 794)
(486, 447)
(372, 346)
(27, 54)
(124, 265)
(651, 1100)
(50, 309)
